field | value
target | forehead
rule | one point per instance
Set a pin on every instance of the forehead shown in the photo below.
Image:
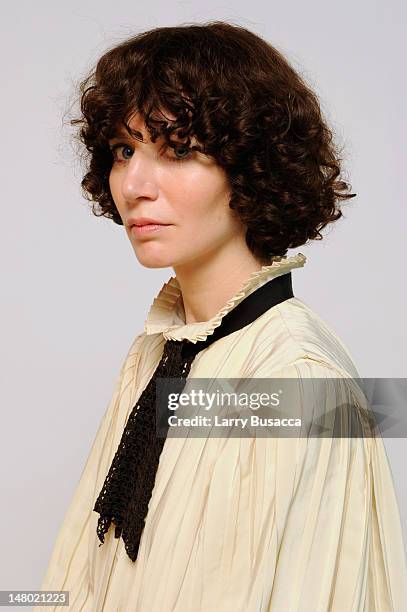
(138, 126)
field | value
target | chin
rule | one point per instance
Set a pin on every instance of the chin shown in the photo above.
(153, 261)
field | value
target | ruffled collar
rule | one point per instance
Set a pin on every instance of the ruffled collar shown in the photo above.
(167, 316)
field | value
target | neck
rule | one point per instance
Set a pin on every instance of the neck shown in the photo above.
(206, 285)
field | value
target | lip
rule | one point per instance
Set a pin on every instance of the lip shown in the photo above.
(151, 228)
(140, 221)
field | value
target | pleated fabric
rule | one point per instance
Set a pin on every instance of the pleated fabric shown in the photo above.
(243, 524)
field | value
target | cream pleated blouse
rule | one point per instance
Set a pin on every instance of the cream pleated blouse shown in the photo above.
(241, 524)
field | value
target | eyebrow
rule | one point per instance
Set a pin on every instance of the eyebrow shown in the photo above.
(121, 132)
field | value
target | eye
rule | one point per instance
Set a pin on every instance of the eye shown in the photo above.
(118, 146)
(178, 152)
(185, 152)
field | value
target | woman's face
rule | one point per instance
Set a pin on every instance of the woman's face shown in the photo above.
(185, 190)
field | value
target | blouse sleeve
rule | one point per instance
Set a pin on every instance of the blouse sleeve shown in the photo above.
(294, 524)
(326, 531)
(68, 566)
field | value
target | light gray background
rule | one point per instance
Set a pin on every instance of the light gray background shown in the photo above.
(74, 295)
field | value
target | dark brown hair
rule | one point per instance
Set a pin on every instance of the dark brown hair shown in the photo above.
(246, 106)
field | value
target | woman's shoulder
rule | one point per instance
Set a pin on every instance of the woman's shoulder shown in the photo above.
(142, 344)
(291, 332)
(296, 333)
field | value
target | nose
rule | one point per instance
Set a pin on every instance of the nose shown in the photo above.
(139, 179)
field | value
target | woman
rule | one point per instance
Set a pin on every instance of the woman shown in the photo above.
(212, 152)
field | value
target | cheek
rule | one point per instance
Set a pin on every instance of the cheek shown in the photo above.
(114, 187)
(198, 192)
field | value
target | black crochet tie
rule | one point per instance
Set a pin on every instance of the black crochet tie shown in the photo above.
(129, 484)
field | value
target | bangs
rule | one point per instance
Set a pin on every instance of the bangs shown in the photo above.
(155, 88)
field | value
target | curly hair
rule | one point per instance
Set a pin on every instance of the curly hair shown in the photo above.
(248, 109)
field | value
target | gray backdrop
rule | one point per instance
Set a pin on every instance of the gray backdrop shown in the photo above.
(74, 295)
